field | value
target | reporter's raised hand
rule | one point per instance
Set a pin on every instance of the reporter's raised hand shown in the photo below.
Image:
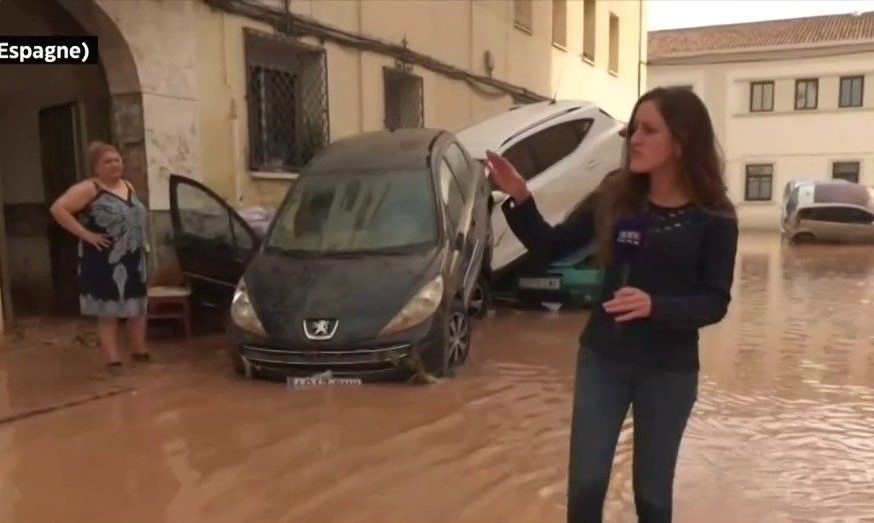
(506, 177)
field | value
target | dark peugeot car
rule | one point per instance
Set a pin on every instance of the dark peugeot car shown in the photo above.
(367, 267)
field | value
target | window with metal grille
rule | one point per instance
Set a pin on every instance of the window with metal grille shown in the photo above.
(852, 88)
(404, 99)
(522, 15)
(806, 94)
(846, 171)
(287, 95)
(759, 181)
(761, 96)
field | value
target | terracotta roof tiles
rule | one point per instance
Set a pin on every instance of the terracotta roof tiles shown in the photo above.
(758, 35)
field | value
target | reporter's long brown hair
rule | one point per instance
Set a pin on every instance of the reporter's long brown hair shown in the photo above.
(625, 192)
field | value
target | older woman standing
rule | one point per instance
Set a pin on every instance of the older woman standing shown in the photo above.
(110, 222)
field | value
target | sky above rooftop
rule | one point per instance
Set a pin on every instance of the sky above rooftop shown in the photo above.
(674, 14)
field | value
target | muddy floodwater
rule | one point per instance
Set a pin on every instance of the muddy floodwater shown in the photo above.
(783, 430)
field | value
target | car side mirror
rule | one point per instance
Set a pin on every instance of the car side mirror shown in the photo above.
(459, 242)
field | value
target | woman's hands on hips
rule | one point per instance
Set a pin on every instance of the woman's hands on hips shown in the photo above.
(99, 241)
(629, 303)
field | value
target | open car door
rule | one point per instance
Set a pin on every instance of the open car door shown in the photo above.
(213, 243)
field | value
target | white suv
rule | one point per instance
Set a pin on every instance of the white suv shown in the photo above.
(563, 148)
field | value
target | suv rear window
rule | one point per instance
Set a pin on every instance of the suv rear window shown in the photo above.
(543, 149)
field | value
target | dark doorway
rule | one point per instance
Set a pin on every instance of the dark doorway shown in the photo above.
(60, 135)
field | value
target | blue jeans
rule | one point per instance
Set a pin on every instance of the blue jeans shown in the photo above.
(662, 402)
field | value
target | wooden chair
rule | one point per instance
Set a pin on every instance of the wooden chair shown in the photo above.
(171, 303)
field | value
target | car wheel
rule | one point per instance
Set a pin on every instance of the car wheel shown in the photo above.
(804, 237)
(480, 298)
(457, 337)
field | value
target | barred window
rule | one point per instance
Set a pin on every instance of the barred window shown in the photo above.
(287, 95)
(404, 99)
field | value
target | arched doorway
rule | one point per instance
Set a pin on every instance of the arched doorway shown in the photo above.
(48, 114)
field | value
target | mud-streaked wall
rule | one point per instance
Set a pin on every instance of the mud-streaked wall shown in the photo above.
(163, 44)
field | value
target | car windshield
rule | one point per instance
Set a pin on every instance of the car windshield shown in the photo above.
(361, 212)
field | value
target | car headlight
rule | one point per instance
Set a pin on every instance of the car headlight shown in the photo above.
(421, 307)
(243, 313)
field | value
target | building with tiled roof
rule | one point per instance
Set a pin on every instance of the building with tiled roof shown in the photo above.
(790, 99)
(793, 34)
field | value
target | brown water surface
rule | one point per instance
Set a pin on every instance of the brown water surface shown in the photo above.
(783, 430)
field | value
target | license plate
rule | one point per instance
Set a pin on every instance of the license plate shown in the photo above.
(551, 284)
(321, 380)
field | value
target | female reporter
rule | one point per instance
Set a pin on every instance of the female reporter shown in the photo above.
(665, 224)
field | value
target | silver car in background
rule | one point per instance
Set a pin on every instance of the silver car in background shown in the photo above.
(827, 211)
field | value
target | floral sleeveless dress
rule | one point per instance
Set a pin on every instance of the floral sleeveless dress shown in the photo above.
(113, 280)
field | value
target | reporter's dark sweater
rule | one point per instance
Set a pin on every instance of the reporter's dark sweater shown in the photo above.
(686, 265)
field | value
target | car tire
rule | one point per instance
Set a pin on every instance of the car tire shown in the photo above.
(456, 330)
(458, 327)
(480, 298)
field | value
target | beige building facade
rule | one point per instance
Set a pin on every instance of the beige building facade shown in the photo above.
(240, 94)
(790, 100)
(431, 72)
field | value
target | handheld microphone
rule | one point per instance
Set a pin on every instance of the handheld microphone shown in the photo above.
(630, 234)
